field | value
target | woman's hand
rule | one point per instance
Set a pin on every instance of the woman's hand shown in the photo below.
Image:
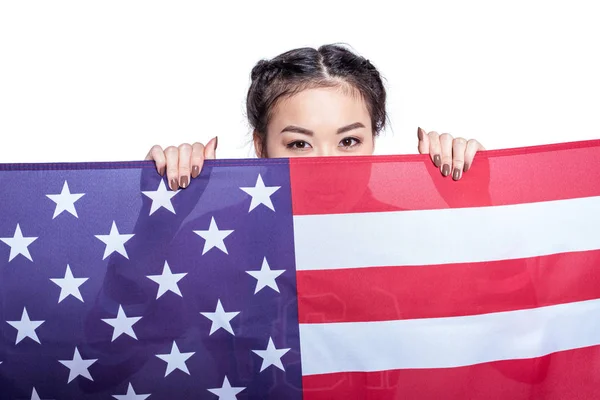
(181, 162)
(451, 155)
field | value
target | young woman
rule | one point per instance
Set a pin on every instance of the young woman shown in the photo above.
(315, 102)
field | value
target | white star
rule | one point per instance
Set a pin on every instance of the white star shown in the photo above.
(131, 395)
(226, 392)
(115, 242)
(213, 237)
(161, 197)
(122, 324)
(69, 286)
(220, 319)
(261, 194)
(167, 281)
(18, 244)
(26, 327)
(78, 366)
(271, 356)
(266, 277)
(35, 395)
(175, 360)
(65, 201)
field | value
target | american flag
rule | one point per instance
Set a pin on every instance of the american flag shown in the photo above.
(321, 278)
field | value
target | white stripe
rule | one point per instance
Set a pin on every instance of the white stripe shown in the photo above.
(448, 342)
(446, 236)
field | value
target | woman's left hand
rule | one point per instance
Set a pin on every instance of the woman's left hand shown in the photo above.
(452, 156)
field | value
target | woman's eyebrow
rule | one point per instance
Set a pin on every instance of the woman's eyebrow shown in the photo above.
(344, 129)
(297, 129)
(350, 127)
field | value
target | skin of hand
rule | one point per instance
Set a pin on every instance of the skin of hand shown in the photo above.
(449, 154)
(182, 162)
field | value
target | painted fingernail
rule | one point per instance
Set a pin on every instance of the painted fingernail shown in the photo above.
(216, 142)
(456, 174)
(446, 170)
(162, 171)
(420, 133)
(174, 184)
(437, 160)
(195, 171)
(466, 167)
(183, 181)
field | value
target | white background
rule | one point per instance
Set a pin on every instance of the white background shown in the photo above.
(105, 80)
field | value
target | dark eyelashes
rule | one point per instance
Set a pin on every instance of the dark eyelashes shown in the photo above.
(292, 145)
(356, 141)
(302, 144)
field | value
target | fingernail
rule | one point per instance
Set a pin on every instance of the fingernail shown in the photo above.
(466, 167)
(437, 160)
(162, 171)
(174, 184)
(446, 170)
(195, 171)
(183, 181)
(420, 133)
(216, 142)
(456, 174)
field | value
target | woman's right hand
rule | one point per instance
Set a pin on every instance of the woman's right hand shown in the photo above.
(181, 162)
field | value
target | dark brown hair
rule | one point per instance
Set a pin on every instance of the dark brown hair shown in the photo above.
(299, 69)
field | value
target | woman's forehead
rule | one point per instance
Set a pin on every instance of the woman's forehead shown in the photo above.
(321, 106)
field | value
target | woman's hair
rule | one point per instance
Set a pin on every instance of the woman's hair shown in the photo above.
(306, 68)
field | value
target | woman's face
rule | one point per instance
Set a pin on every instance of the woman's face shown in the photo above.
(320, 122)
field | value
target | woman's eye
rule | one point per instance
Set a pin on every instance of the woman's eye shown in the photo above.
(349, 142)
(298, 144)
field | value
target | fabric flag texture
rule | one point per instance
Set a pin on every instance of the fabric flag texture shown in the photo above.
(314, 278)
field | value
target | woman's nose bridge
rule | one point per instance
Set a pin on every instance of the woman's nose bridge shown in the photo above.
(325, 150)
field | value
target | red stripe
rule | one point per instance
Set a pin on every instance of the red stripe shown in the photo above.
(386, 183)
(392, 293)
(568, 375)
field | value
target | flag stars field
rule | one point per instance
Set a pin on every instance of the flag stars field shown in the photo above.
(102, 268)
